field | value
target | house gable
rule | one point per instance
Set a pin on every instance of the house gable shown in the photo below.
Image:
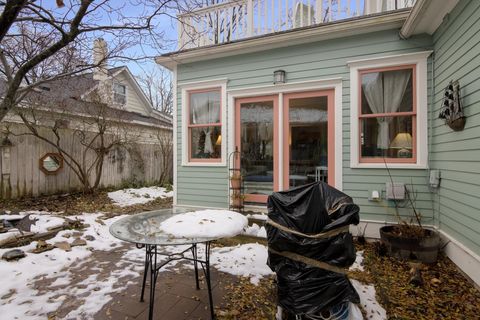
(135, 98)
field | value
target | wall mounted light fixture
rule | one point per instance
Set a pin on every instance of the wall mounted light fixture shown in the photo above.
(278, 76)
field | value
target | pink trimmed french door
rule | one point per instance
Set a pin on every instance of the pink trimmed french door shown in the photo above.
(308, 138)
(307, 141)
(256, 137)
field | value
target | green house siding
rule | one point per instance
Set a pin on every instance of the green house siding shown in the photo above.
(321, 60)
(457, 154)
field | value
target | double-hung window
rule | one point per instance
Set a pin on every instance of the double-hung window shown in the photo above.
(204, 125)
(119, 93)
(387, 115)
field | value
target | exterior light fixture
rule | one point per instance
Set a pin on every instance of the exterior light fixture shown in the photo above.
(278, 76)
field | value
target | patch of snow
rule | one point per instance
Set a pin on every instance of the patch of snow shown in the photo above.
(7, 236)
(129, 197)
(45, 222)
(247, 260)
(25, 303)
(256, 231)
(358, 264)
(205, 224)
(9, 217)
(368, 301)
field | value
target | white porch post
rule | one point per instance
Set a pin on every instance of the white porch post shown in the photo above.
(249, 18)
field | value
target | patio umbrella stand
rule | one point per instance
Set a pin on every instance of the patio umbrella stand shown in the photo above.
(310, 248)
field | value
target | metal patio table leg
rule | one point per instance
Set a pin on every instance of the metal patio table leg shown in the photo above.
(151, 263)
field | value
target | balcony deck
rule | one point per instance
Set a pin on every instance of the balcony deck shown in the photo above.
(235, 20)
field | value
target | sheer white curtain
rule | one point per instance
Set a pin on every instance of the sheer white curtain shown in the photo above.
(384, 93)
(205, 109)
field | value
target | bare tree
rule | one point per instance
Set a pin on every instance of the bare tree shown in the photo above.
(159, 89)
(165, 145)
(35, 34)
(95, 125)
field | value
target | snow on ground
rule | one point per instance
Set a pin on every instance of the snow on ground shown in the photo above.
(44, 222)
(128, 197)
(358, 264)
(368, 301)
(205, 223)
(256, 231)
(247, 260)
(23, 302)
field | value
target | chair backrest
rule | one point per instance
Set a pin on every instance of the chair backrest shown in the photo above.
(321, 173)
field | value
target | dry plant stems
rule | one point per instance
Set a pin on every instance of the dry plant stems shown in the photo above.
(406, 228)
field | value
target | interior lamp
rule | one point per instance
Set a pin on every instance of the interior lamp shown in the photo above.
(278, 76)
(219, 140)
(403, 142)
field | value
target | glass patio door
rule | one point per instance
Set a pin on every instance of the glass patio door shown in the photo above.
(308, 138)
(256, 139)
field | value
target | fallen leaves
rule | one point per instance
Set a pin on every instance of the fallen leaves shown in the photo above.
(247, 301)
(444, 293)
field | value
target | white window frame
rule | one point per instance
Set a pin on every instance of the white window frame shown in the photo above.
(119, 94)
(200, 85)
(420, 60)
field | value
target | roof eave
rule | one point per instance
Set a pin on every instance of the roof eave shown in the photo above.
(345, 28)
(426, 16)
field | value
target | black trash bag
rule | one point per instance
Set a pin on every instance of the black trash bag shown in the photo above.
(311, 209)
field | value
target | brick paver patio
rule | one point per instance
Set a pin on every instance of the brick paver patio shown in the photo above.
(176, 298)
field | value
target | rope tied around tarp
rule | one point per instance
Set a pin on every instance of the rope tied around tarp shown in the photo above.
(320, 235)
(307, 260)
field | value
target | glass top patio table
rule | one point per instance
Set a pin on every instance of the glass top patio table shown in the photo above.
(144, 228)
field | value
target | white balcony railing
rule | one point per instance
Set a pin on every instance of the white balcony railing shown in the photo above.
(239, 19)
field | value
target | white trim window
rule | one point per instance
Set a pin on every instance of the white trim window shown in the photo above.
(393, 132)
(203, 123)
(119, 93)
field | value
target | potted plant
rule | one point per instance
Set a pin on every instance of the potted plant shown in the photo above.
(237, 199)
(409, 240)
(236, 180)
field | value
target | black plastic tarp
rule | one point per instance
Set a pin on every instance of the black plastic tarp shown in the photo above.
(311, 209)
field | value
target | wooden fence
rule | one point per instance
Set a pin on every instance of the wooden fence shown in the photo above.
(21, 175)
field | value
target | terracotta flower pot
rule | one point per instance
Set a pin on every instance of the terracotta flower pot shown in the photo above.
(237, 202)
(236, 183)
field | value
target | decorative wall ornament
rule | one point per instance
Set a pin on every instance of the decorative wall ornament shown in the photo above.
(51, 163)
(452, 109)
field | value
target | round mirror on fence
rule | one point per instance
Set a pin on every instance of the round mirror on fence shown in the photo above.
(51, 163)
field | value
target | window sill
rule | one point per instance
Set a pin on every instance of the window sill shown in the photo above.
(389, 165)
(204, 164)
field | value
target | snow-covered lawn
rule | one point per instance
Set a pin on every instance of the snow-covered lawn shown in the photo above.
(128, 197)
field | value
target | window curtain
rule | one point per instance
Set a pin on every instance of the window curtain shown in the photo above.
(204, 110)
(384, 93)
